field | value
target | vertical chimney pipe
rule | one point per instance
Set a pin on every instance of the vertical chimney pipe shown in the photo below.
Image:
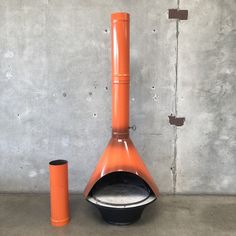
(120, 73)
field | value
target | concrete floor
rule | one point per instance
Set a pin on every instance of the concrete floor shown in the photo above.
(28, 214)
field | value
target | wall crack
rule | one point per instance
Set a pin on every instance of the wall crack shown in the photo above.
(174, 164)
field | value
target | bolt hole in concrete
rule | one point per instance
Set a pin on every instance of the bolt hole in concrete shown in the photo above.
(64, 94)
(153, 87)
(133, 127)
(106, 88)
(105, 30)
(155, 97)
(154, 30)
(94, 115)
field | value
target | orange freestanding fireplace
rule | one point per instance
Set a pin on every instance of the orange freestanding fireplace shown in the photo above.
(120, 186)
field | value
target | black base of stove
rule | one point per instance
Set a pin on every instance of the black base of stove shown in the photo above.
(118, 216)
(121, 197)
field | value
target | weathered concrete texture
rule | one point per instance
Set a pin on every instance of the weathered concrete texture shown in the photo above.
(206, 146)
(55, 96)
(181, 215)
(55, 88)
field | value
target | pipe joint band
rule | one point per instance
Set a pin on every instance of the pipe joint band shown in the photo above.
(120, 82)
(120, 79)
(120, 75)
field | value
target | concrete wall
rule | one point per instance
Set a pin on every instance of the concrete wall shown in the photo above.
(206, 146)
(55, 91)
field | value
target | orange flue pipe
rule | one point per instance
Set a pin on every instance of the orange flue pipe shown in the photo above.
(120, 73)
(120, 153)
(59, 192)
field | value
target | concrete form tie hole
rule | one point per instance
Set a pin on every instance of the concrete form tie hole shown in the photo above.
(133, 127)
(155, 97)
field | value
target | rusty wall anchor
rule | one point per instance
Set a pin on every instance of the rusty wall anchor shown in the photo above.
(178, 14)
(177, 121)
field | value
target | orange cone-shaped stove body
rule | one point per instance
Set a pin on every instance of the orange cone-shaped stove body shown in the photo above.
(120, 154)
(59, 192)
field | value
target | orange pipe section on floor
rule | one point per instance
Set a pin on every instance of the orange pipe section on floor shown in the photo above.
(59, 199)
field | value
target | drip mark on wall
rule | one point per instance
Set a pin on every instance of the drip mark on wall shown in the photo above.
(89, 98)
(95, 84)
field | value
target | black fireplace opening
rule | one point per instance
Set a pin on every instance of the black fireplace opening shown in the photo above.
(121, 197)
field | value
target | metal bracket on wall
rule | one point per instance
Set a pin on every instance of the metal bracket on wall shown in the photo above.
(178, 14)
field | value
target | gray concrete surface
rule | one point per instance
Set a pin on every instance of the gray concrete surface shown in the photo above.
(22, 214)
(55, 88)
(206, 156)
(55, 92)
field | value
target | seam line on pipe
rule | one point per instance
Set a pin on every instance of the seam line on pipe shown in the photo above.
(120, 75)
(115, 21)
(121, 82)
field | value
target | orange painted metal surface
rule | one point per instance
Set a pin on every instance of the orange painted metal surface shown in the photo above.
(59, 192)
(120, 72)
(120, 154)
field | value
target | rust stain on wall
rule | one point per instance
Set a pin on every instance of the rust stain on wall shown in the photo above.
(177, 121)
